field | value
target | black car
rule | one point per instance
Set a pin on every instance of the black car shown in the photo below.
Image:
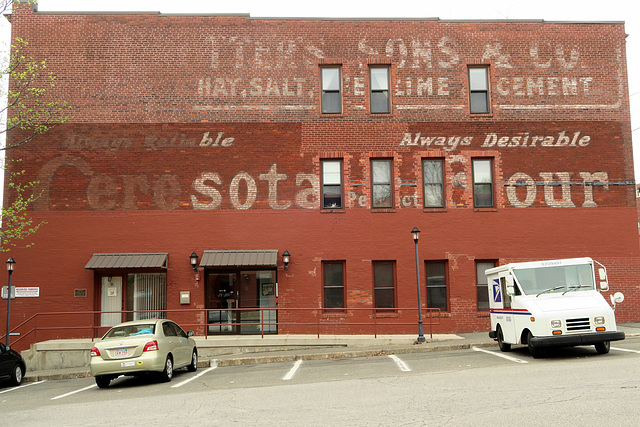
(12, 366)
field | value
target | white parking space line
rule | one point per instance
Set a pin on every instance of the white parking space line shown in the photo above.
(188, 380)
(292, 371)
(403, 366)
(22, 386)
(504, 356)
(625, 349)
(74, 392)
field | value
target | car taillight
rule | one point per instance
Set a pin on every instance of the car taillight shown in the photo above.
(95, 352)
(151, 346)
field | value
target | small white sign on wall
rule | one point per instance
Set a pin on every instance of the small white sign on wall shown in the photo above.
(22, 292)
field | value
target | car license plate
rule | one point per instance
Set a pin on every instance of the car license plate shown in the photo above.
(121, 353)
(127, 364)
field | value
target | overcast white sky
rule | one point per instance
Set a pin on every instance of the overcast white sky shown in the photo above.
(549, 10)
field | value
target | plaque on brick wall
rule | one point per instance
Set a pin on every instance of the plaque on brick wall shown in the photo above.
(80, 293)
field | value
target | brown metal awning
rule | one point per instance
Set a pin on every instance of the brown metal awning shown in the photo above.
(103, 261)
(258, 258)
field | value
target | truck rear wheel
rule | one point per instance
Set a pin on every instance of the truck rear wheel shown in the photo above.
(503, 345)
(603, 347)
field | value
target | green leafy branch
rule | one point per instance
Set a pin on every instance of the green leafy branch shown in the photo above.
(27, 105)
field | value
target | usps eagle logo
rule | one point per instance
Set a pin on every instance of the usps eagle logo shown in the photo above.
(497, 294)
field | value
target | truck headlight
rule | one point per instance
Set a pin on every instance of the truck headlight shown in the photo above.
(556, 324)
(598, 320)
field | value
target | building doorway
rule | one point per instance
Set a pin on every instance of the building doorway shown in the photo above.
(238, 301)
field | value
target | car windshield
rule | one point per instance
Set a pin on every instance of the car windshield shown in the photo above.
(130, 330)
(556, 279)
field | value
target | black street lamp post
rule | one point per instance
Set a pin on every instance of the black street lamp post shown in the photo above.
(10, 263)
(421, 338)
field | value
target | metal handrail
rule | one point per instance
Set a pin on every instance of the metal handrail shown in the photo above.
(368, 319)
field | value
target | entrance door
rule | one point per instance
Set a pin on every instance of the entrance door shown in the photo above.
(222, 299)
(111, 300)
(237, 301)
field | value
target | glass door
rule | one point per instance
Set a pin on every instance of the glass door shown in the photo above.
(222, 299)
(238, 302)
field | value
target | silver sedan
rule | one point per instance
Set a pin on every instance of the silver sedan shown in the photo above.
(140, 347)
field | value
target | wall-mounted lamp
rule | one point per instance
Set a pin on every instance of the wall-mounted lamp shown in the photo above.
(286, 258)
(194, 261)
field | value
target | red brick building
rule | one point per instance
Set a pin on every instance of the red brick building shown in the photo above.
(239, 138)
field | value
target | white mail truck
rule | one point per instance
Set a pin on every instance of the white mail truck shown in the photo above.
(555, 303)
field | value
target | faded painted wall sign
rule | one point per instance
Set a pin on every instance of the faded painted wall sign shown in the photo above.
(270, 166)
(541, 71)
(491, 139)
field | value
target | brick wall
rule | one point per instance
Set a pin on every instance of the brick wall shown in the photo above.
(192, 133)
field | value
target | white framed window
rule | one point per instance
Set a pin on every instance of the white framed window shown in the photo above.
(331, 184)
(482, 286)
(331, 90)
(479, 89)
(382, 183)
(146, 292)
(482, 183)
(433, 183)
(380, 99)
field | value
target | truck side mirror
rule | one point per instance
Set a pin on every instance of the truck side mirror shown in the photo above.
(509, 285)
(604, 284)
(616, 298)
(602, 273)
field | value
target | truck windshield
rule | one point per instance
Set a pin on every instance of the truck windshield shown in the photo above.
(556, 279)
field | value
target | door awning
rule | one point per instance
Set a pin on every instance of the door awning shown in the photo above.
(127, 260)
(256, 258)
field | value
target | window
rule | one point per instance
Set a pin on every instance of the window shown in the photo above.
(331, 99)
(437, 285)
(482, 183)
(479, 89)
(379, 77)
(146, 291)
(332, 184)
(384, 284)
(432, 178)
(333, 279)
(482, 285)
(381, 183)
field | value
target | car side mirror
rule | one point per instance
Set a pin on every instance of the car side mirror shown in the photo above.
(190, 334)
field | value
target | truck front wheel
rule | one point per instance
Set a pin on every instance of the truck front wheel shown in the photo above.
(603, 347)
(536, 352)
(503, 345)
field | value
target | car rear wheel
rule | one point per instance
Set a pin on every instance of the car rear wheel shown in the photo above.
(603, 347)
(193, 366)
(16, 375)
(167, 374)
(103, 381)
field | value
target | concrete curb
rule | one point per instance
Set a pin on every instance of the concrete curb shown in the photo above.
(290, 356)
(239, 361)
(274, 358)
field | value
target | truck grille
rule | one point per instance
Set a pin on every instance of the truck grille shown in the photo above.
(578, 324)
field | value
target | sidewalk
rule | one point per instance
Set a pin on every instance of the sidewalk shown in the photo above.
(346, 348)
